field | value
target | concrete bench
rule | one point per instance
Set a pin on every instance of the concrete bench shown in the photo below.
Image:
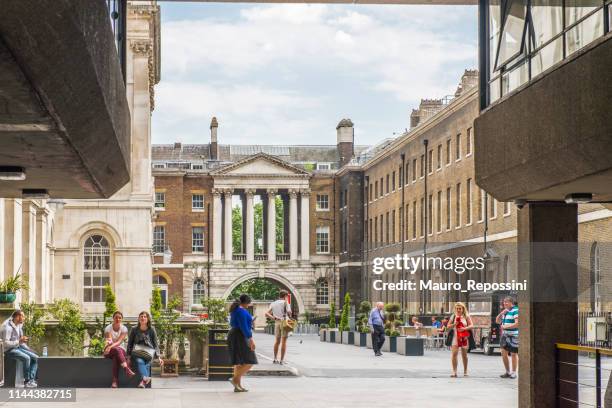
(73, 372)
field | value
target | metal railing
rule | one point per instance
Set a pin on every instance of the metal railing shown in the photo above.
(117, 12)
(282, 257)
(261, 257)
(573, 389)
(239, 257)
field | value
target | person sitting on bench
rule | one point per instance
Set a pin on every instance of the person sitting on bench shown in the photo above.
(143, 347)
(15, 345)
(115, 335)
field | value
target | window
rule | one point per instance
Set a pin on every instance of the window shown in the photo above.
(323, 166)
(161, 283)
(430, 161)
(323, 202)
(448, 209)
(406, 171)
(458, 147)
(439, 157)
(370, 232)
(96, 268)
(370, 192)
(414, 220)
(493, 202)
(197, 239)
(382, 230)
(448, 152)
(439, 212)
(382, 186)
(197, 201)
(160, 200)
(482, 205)
(422, 221)
(393, 227)
(387, 185)
(430, 214)
(376, 189)
(458, 206)
(507, 208)
(406, 225)
(387, 228)
(468, 141)
(414, 170)
(159, 239)
(375, 237)
(198, 291)
(322, 240)
(422, 165)
(159, 165)
(468, 202)
(322, 292)
(197, 167)
(393, 181)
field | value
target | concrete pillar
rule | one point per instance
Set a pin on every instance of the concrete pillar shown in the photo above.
(293, 225)
(217, 222)
(305, 227)
(547, 254)
(28, 265)
(227, 224)
(250, 226)
(271, 225)
(2, 233)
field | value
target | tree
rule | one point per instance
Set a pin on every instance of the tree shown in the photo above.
(156, 303)
(344, 318)
(70, 328)
(109, 304)
(257, 289)
(33, 326)
(237, 223)
(332, 316)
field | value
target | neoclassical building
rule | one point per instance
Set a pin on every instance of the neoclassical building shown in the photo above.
(200, 191)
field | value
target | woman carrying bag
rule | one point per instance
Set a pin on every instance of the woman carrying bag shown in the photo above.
(459, 337)
(240, 343)
(143, 348)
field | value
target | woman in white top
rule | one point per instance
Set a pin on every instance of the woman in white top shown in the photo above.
(461, 323)
(114, 335)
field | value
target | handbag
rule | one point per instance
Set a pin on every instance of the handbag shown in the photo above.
(145, 352)
(287, 324)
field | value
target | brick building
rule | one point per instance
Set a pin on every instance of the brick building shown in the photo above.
(343, 206)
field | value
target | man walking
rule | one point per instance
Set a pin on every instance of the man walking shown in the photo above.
(509, 321)
(279, 311)
(15, 344)
(377, 324)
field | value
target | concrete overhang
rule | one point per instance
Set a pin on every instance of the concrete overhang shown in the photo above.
(64, 115)
(553, 137)
(408, 2)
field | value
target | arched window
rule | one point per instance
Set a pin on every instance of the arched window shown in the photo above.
(595, 279)
(96, 268)
(322, 290)
(199, 291)
(161, 283)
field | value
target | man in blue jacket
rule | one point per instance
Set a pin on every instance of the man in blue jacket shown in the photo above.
(377, 324)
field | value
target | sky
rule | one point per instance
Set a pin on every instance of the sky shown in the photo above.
(288, 73)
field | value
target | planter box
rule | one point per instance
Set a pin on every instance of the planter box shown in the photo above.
(331, 336)
(323, 334)
(170, 368)
(390, 344)
(361, 339)
(348, 337)
(410, 346)
(338, 338)
(369, 341)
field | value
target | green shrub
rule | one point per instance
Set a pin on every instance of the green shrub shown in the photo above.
(365, 329)
(344, 318)
(394, 333)
(33, 326)
(70, 327)
(332, 316)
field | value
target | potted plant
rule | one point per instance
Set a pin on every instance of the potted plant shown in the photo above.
(361, 337)
(361, 324)
(323, 329)
(391, 326)
(9, 288)
(70, 328)
(347, 336)
(333, 332)
(168, 332)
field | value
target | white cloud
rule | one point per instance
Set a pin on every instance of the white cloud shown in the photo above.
(269, 53)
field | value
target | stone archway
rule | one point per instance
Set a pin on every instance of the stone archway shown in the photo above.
(295, 294)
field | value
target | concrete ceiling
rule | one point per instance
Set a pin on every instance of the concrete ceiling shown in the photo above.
(413, 2)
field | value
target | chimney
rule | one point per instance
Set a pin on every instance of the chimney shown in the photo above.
(345, 140)
(214, 147)
(427, 108)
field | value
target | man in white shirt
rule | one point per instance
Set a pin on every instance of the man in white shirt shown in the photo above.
(280, 310)
(15, 346)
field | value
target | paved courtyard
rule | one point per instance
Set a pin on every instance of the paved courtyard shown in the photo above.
(328, 375)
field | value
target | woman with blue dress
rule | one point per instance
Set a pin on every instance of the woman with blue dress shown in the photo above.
(240, 341)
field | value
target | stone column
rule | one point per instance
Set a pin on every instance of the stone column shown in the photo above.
(217, 222)
(271, 225)
(2, 232)
(227, 238)
(12, 236)
(293, 225)
(28, 266)
(305, 227)
(41, 257)
(547, 255)
(250, 226)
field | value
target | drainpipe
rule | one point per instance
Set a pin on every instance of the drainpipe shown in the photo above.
(208, 251)
(366, 292)
(403, 224)
(425, 298)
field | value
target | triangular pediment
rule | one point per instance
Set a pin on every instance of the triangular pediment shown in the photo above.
(260, 164)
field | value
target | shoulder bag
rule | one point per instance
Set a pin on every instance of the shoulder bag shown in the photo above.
(288, 324)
